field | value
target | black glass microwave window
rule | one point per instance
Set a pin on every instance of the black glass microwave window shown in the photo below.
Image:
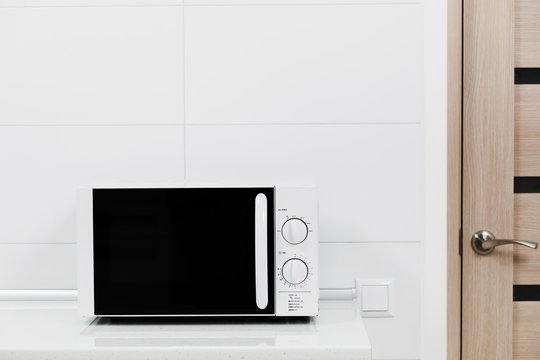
(183, 251)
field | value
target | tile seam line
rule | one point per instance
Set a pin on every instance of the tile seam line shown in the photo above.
(88, 6)
(305, 124)
(215, 124)
(397, 3)
(184, 132)
(309, 4)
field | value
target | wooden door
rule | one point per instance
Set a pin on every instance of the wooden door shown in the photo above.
(501, 178)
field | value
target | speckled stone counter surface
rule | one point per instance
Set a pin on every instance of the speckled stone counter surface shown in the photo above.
(54, 330)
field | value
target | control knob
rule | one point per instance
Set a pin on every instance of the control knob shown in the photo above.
(294, 231)
(294, 271)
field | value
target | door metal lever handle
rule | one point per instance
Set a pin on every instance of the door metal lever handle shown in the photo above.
(484, 242)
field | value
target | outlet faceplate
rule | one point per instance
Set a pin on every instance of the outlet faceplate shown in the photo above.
(375, 297)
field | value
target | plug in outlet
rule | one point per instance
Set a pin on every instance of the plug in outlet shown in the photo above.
(375, 297)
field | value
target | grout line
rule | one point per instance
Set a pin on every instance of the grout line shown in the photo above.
(308, 124)
(184, 88)
(237, 4)
(88, 125)
(216, 124)
(360, 3)
(88, 6)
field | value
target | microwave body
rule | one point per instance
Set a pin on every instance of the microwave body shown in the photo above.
(189, 250)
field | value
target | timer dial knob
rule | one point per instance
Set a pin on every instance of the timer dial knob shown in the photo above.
(294, 231)
(294, 271)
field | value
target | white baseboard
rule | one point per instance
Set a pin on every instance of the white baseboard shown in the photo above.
(38, 295)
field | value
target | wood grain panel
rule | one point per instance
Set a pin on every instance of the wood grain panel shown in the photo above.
(527, 33)
(454, 179)
(527, 115)
(526, 227)
(488, 170)
(526, 335)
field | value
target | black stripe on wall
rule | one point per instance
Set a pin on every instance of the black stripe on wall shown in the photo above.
(524, 76)
(527, 184)
(526, 292)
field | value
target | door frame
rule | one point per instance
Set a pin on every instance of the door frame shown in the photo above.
(435, 187)
(454, 178)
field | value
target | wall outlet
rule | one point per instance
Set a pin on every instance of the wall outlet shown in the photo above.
(375, 297)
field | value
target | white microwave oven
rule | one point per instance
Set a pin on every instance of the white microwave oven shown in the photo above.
(188, 250)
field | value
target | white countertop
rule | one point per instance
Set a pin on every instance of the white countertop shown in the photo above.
(54, 330)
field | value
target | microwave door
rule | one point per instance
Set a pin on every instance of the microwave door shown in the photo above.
(183, 251)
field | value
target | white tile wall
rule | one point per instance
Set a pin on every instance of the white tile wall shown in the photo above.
(41, 167)
(37, 266)
(329, 94)
(91, 65)
(303, 64)
(369, 176)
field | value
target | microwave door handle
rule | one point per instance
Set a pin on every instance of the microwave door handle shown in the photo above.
(261, 248)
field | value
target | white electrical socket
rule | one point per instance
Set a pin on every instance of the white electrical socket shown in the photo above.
(375, 297)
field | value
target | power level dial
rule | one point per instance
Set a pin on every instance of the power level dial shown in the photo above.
(294, 231)
(295, 271)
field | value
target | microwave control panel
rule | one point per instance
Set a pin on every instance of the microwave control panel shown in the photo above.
(297, 288)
